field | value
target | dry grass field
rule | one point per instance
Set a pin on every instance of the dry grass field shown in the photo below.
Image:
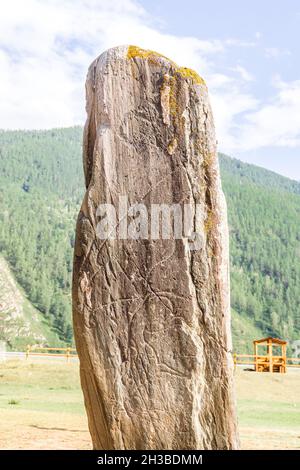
(42, 408)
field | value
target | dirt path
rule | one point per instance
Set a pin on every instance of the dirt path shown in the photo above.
(266, 439)
(39, 431)
(23, 429)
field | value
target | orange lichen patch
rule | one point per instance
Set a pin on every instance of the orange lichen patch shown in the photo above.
(189, 73)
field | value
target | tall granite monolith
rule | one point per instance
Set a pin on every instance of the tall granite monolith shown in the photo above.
(151, 301)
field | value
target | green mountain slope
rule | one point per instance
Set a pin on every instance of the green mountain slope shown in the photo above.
(20, 322)
(264, 218)
(41, 187)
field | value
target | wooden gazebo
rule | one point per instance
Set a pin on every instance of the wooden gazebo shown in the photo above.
(270, 362)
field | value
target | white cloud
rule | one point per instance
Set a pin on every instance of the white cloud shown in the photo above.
(46, 47)
(276, 52)
(228, 104)
(276, 123)
(245, 75)
(239, 43)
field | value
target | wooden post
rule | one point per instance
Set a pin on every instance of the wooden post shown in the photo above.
(234, 361)
(256, 358)
(68, 354)
(270, 351)
(283, 352)
(28, 351)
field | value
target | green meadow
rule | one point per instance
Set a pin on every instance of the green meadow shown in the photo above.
(42, 408)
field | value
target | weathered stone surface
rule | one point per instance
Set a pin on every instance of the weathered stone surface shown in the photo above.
(151, 317)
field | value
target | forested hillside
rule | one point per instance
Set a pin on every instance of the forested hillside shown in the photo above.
(264, 219)
(20, 323)
(41, 187)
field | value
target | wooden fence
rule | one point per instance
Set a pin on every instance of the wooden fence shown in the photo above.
(238, 359)
(51, 352)
(250, 359)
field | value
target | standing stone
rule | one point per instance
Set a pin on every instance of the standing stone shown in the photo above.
(151, 316)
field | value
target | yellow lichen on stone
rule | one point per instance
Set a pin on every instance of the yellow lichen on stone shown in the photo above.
(209, 221)
(189, 73)
(154, 57)
(172, 146)
(207, 161)
(134, 51)
(170, 89)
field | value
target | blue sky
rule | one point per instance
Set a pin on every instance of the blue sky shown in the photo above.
(248, 52)
(274, 29)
